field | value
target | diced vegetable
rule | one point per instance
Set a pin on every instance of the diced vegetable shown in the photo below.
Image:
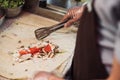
(23, 52)
(47, 48)
(34, 50)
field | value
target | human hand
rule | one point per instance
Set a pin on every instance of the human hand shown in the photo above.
(74, 14)
(45, 76)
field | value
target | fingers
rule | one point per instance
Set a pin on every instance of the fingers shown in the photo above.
(74, 14)
(69, 14)
(45, 76)
(70, 22)
(41, 76)
(66, 16)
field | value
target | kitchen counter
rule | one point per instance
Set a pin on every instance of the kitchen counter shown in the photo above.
(23, 27)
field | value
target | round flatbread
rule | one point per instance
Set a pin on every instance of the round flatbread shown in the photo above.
(18, 35)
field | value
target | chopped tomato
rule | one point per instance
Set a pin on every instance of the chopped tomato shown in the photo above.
(23, 52)
(34, 50)
(47, 48)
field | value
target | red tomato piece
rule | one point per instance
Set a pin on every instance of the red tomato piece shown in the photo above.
(47, 48)
(23, 52)
(34, 50)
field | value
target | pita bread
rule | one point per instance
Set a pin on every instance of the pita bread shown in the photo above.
(9, 39)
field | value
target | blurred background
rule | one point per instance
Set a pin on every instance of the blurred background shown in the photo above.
(65, 3)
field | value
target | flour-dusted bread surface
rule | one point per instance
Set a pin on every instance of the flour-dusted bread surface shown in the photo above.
(21, 33)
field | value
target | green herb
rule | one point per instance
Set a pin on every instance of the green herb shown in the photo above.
(22, 46)
(11, 73)
(13, 64)
(11, 53)
(17, 23)
(19, 41)
(3, 36)
(61, 52)
(28, 46)
(26, 69)
(11, 3)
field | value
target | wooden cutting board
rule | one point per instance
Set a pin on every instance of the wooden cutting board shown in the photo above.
(22, 29)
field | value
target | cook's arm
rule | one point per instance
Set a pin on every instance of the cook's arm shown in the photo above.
(115, 73)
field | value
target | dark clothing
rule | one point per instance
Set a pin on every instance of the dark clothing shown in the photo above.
(87, 63)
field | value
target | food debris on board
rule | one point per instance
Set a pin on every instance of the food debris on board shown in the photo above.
(3, 36)
(44, 50)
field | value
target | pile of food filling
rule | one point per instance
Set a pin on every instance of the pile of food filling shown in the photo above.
(44, 50)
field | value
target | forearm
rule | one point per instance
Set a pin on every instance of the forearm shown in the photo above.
(115, 73)
(53, 77)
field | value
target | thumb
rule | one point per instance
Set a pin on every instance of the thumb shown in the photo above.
(70, 22)
(66, 16)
